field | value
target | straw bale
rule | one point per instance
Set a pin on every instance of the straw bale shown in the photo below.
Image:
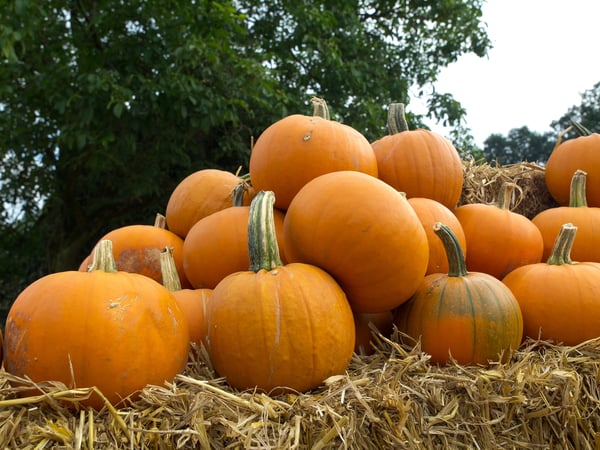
(544, 396)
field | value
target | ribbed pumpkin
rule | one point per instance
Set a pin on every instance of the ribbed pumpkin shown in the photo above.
(115, 330)
(429, 212)
(498, 239)
(419, 162)
(192, 301)
(278, 327)
(559, 298)
(468, 316)
(580, 153)
(137, 249)
(200, 194)
(587, 220)
(298, 148)
(364, 233)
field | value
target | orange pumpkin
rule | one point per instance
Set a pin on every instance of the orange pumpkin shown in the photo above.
(217, 246)
(363, 232)
(587, 220)
(419, 162)
(298, 148)
(278, 327)
(498, 239)
(137, 249)
(429, 212)
(192, 301)
(470, 317)
(559, 298)
(580, 153)
(115, 330)
(383, 323)
(200, 194)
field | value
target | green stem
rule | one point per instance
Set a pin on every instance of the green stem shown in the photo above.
(577, 196)
(561, 251)
(457, 266)
(170, 277)
(320, 108)
(262, 239)
(580, 129)
(238, 192)
(396, 119)
(103, 257)
(505, 196)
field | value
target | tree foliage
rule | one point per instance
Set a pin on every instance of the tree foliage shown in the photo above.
(105, 106)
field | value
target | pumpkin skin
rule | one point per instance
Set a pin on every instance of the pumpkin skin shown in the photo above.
(499, 240)
(470, 317)
(200, 194)
(137, 249)
(580, 153)
(217, 246)
(115, 330)
(587, 220)
(278, 327)
(364, 233)
(429, 212)
(419, 162)
(298, 148)
(559, 299)
(383, 322)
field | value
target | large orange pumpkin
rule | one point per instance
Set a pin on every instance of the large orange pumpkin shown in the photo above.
(115, 330)
(559, 298)
(419, 162)
(200, 194)
(587, 220)
(363, 232)
(298, 148)
(579, 153)
(278, 327)
(137, 249)
(468, 316)
(498, 239)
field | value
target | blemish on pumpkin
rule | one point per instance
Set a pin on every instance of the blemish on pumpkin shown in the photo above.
(275, 272)
(307, 136)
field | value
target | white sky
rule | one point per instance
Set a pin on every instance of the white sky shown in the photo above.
(545, 54)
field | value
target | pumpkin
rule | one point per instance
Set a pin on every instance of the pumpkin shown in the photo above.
(217, 246)
(115, 330)
(470, 317)
(559, 298)
(364, 233)
(429, 212)
(191, 301)
(587, 220)
(420, 163)
(498, 239)
(579, 153)
(200, 194)
(298, 148)
(383, 322)
(137, 249)
(278, 327)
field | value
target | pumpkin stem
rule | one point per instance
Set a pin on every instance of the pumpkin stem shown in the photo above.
(262, 240)
(580, 129)
(396, 119)
(320, 108)
(577, 195)
(457, 267)
(103, 257)
(505, 196)
(170, 277)
(561, 251)
(160, 221)
(238, 192)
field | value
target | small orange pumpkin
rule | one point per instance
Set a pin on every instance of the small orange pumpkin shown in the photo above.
(278, 327)
(419, 162)
(470, 317)
(298, 148)
(115, 330)
(559, 298)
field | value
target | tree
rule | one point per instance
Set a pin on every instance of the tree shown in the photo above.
(107, 105)
(521, 144)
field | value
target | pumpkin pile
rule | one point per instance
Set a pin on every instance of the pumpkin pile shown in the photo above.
(341, 292)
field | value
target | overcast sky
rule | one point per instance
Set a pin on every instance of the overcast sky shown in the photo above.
(546, 53)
